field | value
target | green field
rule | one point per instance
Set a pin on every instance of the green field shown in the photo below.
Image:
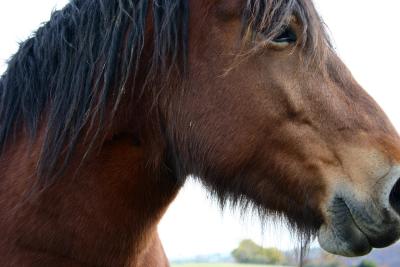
(221, 265)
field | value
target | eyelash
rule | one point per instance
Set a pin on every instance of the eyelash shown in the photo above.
(286, 36)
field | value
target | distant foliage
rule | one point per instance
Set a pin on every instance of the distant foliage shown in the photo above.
(249, 252)
(367, 263)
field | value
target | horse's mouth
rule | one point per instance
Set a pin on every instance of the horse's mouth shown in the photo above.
(353, 231)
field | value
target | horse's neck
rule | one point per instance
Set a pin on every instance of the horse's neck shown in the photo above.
(105, 216)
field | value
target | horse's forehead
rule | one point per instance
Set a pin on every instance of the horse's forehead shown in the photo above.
(230, 8)
(224, 7)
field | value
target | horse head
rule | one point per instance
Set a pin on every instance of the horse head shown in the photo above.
(276, 120)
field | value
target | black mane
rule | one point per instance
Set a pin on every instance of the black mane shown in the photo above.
(76, 65)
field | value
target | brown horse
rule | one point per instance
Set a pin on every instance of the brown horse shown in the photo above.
(111, 105)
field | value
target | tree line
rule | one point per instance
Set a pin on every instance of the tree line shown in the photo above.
(251, 253)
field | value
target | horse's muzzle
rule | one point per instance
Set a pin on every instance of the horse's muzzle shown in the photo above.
(354, 225)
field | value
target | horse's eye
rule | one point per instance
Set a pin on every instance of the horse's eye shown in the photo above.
(287, 36)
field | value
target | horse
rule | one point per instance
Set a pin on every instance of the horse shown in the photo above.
(109, 107)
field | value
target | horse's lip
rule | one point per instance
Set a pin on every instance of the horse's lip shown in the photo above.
(341, 235)
(381, 230)
(349, 234)
(332, 242)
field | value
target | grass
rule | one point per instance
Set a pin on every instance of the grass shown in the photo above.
(221, 265)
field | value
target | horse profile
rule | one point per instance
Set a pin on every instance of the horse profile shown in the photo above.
(109, 107)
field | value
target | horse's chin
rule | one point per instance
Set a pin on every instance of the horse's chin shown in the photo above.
(346, 240)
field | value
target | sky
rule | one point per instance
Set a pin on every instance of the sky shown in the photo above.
(366, 36)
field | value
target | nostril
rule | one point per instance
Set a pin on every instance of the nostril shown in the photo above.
(394, 197)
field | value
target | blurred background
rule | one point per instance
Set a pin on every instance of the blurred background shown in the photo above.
(366, 35)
